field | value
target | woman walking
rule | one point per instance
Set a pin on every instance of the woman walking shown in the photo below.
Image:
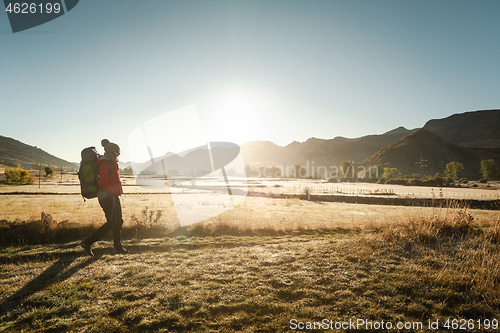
(110, 188)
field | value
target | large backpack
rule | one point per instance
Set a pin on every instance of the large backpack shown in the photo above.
(88, 173)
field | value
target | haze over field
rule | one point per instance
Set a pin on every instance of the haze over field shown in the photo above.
(279, 71)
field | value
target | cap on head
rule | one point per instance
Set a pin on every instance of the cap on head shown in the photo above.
(104, 142)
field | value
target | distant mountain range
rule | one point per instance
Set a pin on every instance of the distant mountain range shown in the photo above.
(323, 152)
(466, 138)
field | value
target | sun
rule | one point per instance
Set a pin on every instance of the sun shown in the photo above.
(241, 114)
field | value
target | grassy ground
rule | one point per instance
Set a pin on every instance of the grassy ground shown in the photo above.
(431, 265)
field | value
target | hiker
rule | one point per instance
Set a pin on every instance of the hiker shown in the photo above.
(110, 188)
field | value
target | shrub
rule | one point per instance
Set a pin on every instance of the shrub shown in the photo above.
(414, 182)
(381, 180)
(475, 185)
(464, 180)
(450, 180)
(333, 180)
(396, 181)
(439, 181)
(18, 176)
(429, 182)
(483, 181)
(48, 171)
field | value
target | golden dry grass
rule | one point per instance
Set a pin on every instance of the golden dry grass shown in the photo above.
(310, 261)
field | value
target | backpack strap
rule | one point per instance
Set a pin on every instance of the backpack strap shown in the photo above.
(99, 163)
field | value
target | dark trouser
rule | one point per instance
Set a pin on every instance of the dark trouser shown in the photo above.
(114, 221)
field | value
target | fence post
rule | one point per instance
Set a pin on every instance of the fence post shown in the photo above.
(39, 173)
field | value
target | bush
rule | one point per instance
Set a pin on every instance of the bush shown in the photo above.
(333, 180)
(396, 181)
(450, 180)
(48, 171)
(18, 176)
(464, 181)
(439, 181)
(345, 180)
(414, 182)
(483, 181)
(381, 181)
(429, 182)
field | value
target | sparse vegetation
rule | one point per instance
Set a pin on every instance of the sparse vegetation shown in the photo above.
(17, 176)
(391, 173)
(10, 163)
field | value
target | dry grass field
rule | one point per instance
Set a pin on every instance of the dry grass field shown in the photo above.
(267, 265)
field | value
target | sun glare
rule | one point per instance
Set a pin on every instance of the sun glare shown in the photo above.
(241, 114)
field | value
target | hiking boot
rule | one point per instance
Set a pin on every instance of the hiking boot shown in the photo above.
(120, 250)
(87, 248)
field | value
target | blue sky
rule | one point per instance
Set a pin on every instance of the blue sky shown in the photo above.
(256, 70)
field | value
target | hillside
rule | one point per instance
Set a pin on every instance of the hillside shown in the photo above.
(404, 153)
(26, 155)
(478, 129)
(323, 152)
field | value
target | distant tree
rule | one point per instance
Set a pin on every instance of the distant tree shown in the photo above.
(127, 171)
(454, 169)
(48, 171)
(391, 173)
(489, 169)
(375, 171)
(346, 169)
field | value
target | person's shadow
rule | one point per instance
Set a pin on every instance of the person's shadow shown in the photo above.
(53, 274)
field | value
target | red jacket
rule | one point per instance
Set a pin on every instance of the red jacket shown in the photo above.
(109, 181)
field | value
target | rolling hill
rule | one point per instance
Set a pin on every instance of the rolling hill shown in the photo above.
(404, 153)
(14, 150)
(477, 129)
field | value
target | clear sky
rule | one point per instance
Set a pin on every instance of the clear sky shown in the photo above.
(256, 70)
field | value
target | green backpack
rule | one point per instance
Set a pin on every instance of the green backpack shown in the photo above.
(88, 173)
